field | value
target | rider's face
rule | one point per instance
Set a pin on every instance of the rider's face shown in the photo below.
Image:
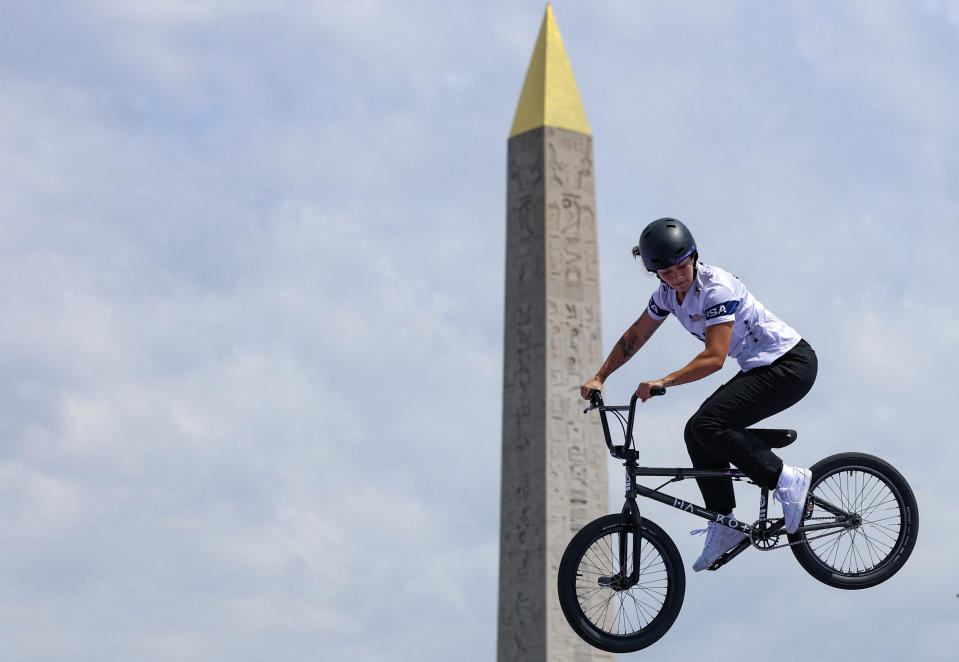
(679, 276)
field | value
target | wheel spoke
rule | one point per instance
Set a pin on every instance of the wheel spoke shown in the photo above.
(854, 551)
(621, 612)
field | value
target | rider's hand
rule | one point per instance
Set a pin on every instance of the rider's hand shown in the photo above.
(642, 391)
(592, 384)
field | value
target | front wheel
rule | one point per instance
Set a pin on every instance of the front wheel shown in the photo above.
(876, 522)
(604, 601)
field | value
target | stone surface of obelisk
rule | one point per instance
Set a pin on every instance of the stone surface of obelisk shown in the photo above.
(554, 477)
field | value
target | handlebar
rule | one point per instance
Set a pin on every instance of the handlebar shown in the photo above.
(596, 402)
(596, 397)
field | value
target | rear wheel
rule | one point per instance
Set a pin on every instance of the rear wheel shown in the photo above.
(877, 537)
(595, 592)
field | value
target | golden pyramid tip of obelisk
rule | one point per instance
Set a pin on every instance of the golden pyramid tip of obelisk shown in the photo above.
(550, 96)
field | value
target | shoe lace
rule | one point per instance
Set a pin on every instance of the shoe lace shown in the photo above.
(711, 531)
(781, 497)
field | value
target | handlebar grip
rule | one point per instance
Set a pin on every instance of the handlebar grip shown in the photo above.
(657, 390)
(595, 397)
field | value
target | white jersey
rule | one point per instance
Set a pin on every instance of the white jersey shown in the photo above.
(715, 297)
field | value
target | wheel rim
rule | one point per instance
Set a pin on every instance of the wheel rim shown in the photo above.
(867, 547)
(621, 612)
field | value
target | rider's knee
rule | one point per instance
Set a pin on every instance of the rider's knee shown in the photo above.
(703, 426)
(689, 433)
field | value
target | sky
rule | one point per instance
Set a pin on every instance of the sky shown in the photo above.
(251, 297)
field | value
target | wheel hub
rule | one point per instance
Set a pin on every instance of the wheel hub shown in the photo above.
(617, 582)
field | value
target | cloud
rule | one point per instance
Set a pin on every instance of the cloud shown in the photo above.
(252, 303)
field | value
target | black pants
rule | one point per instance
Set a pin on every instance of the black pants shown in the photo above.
(716, 434)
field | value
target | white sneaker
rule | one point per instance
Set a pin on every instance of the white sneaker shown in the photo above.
(791, 492)
(719, 540)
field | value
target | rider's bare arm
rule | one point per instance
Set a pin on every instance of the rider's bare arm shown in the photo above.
(635, 337)
(703, 364)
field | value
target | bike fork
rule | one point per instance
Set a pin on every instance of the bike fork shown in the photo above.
(632, 509)
(624, 580)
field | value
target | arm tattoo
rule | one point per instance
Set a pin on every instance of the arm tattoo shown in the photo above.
(628, 347)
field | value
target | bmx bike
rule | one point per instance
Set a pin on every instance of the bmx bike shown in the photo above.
(621, 580)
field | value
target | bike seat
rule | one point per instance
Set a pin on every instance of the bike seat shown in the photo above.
(775, 438)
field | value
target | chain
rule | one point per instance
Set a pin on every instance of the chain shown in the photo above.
(763, 520)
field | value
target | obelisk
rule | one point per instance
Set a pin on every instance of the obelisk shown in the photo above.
(554, 477)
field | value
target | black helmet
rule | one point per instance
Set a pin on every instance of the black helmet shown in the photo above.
(663, 243)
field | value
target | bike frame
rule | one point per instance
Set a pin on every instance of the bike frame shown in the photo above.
(630, 456)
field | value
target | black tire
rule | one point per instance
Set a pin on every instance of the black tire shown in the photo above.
(872, 552)
(625, 620)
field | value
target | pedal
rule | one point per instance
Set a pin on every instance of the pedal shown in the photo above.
(730, 555)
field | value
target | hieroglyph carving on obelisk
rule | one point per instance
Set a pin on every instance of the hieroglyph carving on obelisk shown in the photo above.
(554, 477)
